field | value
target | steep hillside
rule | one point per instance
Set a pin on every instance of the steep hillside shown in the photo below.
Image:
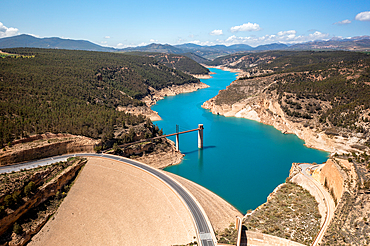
(179, 62)
(76, 92)
(305, 93)
(323, 98)
(284, 61)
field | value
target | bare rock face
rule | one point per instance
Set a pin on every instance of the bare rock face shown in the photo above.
(252, 99)
(294, 170)
(43, 193)
(45, 145)
(144, 110)
(330, 176)
(156, 95)
(161, 159)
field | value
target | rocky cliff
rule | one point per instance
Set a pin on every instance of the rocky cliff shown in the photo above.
(253, 99)
(156, 95)
(329, 175)
(45, 145)
(50, 188)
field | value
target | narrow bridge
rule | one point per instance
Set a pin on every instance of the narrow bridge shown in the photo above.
(200, 138)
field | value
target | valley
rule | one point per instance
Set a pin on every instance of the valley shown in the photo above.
(322, 97)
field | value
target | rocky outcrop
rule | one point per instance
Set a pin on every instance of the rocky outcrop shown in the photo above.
(350, 225)
(41, 195)
(156, 95)
(264, 107)
(329, 175)
(161, 157)
(45, 145)
(138, 149)
(294, 170)
(143, 110)
(337, 175)
(202, 76)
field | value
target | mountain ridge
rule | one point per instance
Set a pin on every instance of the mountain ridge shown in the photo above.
(193, 51)
(28, 41)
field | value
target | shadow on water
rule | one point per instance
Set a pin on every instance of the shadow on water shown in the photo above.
(198, 150)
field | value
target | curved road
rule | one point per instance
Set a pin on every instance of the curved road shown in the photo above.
(329, 203)
(204, 231)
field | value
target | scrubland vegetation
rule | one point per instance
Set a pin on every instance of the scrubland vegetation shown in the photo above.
(77, 92)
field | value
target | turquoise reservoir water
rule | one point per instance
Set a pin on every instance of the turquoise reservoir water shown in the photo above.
(242, 160)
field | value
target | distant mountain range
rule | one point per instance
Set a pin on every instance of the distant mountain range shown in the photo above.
(196, 52)
(25, 40)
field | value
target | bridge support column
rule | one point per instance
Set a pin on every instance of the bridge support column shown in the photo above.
(177, 142)
(200, 136)
(177, 138)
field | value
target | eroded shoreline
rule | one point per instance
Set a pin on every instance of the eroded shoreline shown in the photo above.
(265, 108)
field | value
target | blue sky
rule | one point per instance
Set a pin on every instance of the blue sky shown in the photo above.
(121, 23)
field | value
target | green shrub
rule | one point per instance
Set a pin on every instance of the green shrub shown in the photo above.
(8, 201)
(97, 148)
(17, 196)
(17, 229)
(30, 188)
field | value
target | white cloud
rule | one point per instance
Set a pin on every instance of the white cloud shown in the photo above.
(286, 34)
(205, 43)
(248, 27)
(122, 46)
(314, 36)
(153, 40)
(290, 32)
(216, 33)
(343, 22)
(363, 16)
(287, 37)
(7, 32)
(103, 42)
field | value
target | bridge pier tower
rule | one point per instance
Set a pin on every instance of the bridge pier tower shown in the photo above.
(177, 142)
(200, 136)
(177, 138)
